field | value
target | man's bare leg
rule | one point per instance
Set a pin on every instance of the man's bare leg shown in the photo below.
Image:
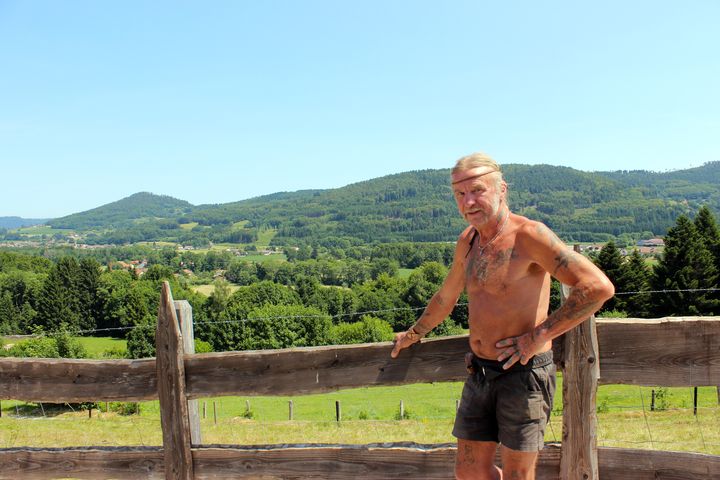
(518, 465)
(476, 461)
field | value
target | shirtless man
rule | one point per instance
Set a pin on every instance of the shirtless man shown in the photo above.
(504, 262)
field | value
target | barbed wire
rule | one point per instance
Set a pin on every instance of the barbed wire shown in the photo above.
(340, 315)
(669, 291)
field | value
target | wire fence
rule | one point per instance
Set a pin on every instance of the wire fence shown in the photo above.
(420, 413)
(127, 328)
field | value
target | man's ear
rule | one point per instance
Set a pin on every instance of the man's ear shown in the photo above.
(503, 187)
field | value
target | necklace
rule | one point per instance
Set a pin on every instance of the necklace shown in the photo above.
(482, 248)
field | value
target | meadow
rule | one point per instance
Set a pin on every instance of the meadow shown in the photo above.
(368, 415)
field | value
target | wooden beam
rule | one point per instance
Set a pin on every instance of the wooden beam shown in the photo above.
(670, 352)
(90, 463)
(627, 464)
(183, 310)
(331, 462)
(673, 352)
(322, 369)
(171, 391)
(579, 458)
(68, 380)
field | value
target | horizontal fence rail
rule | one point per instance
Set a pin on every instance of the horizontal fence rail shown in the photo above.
(331, 462)
(673, 352)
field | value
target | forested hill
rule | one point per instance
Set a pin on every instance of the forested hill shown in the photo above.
(418, 206)
(15, 222)
(141, 205)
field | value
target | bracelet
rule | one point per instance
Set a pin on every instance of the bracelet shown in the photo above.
(412, 334)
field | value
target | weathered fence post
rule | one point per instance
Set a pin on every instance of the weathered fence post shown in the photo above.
(578, 457)
(185, 317)
(290, 410)
(171, 391)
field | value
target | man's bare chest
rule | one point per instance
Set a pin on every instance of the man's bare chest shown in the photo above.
(495, 268)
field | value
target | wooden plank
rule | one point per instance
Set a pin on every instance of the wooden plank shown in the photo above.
(91, 463)
(183, 310)
(171, 391)
(322, 369)
(670, 352)
(630, 464)
(665, 352)
(329, 462)
(580, 380)
(67, 380)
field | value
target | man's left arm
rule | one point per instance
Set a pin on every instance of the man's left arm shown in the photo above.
(590, 288)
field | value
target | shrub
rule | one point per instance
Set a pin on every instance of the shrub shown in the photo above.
(367, 330)
(202, 346)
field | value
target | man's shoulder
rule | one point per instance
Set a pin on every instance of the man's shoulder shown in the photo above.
(467, 235)
(524, 225)
(533, 231)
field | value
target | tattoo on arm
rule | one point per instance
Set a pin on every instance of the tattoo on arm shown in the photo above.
(578, 305)
(563, 260)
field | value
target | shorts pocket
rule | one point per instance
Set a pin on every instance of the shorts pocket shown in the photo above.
(536, 406)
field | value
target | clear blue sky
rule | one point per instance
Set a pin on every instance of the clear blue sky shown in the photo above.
(213, 102)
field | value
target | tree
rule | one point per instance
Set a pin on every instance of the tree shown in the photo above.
(9, 315)
(89, 308)
(709, 232)
(367, 330)
(284, 326)
(218, 299)
(635, 277)
(609, 260)
(59, 302)
(686, 265)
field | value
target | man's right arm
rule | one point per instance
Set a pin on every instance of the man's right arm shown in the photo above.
(440, 305)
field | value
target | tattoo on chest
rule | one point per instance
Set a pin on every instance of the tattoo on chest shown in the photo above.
(482, 265)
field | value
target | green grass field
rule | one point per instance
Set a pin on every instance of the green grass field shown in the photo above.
(265, 236)
(369, 415)
(404, 273)
(95, 346)
(207, 290)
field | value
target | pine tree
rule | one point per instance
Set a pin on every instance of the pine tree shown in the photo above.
(58, 303)
(707, 227)
(635, 277)
(609, 260)
(686, 265)
(89, 307)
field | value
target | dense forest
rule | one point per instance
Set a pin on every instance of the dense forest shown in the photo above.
(409, 207)
(315, 297)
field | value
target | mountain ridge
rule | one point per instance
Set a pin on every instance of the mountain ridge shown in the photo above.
(414, 206)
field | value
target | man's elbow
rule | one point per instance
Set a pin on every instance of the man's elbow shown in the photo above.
(604, 289)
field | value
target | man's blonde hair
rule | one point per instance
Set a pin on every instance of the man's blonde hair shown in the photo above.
(475, 160)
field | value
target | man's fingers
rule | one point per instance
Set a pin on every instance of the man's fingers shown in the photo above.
(505, 343)
(512, 360)
(396, 347)
(506, 354)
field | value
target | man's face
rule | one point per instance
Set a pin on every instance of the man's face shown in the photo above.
(477, 194)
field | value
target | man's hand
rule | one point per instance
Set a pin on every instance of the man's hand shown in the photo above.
(521, 348)
(404, 340)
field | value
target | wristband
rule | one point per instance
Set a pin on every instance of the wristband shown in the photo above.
(412, 334)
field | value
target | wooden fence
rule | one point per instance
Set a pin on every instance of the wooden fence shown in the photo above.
(670, 352)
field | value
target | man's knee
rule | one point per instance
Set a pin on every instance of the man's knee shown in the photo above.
(475, 461)
(519, 473)
(477, 472)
